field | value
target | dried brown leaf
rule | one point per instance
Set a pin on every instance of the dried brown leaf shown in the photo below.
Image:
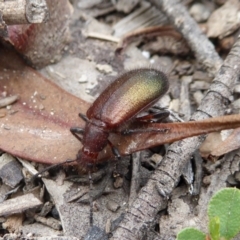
(229, 144)
(211, 141)
(37, 126)
(224, 20)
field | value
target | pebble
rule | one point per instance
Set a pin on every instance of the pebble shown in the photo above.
(104, 68)
(236, 104)
(198, 96)
(164, 101)
(112, 206)
(237, 89)
(174, 105)
(199, 12)
(146, 54)
(199, 85)
(83, 79)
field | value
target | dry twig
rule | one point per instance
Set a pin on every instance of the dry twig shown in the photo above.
(197, 40)
(24, 11)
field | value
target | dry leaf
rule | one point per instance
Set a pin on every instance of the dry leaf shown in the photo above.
(224, 20)
(228, 145)
(211, 141)
(37, 126)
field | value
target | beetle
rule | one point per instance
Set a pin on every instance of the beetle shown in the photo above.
(120, 103)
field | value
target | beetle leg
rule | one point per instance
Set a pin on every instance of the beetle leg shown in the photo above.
(114, 150)
(154, 117)
(90, 198)
(144, 130)
(172, 115)
(75, 131)
(83, 117)
(99, 191)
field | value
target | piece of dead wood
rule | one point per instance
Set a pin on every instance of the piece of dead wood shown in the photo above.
(185, 108)
(43, 44)
(10, 170)
(165, 178)
(19, 204)
(198, 42)
(40, 232)
(24, 11)
(50, 221)
(125, 6)
(135, 182)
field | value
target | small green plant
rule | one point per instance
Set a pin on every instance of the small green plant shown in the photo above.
(224, 218)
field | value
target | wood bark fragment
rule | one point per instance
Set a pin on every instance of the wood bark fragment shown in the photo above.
(24, 11)
(43, 44)
(135, 183)
(149, 201)
(19, 204)
(10, 171)
(197, 40)
(51, 222)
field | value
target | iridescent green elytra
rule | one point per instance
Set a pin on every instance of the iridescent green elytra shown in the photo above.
(128, 95)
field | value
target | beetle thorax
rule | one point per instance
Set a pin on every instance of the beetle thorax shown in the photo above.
(95, 140)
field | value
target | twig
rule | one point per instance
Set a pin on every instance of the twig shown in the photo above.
(101, 36)
(197, 40)
(149, 201)
(24, 11)
(135, 183)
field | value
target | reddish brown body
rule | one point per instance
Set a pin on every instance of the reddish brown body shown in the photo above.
(118, 104)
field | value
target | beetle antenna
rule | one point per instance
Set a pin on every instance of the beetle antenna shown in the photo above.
(83, 117)
(49, 168)
(90, 198)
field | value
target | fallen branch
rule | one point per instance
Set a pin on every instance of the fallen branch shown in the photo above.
(24, 11)
(203, 49)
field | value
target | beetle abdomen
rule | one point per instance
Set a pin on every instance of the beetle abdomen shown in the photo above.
(128, 95)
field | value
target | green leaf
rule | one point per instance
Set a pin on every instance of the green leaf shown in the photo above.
(214, 228)
(190, 234)
(225, 205)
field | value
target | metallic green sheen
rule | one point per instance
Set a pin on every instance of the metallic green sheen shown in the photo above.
(129, 95)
